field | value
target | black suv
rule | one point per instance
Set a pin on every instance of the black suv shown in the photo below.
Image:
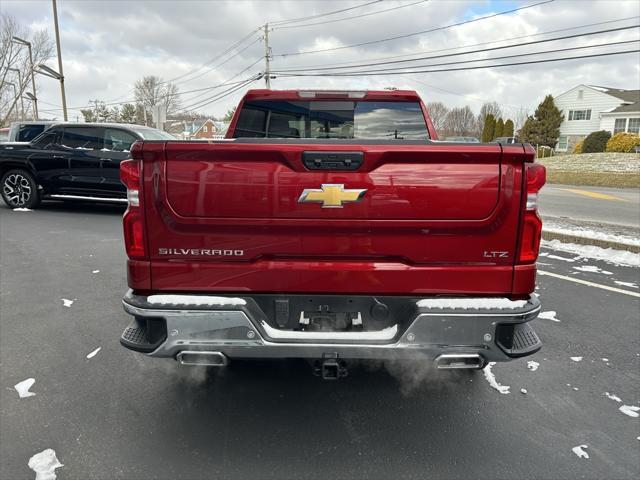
(70, 162)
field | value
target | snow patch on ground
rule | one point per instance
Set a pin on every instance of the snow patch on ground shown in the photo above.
(23, 388)
(94, 353)
(630, 410)
(472, 303)
(576, 359)
(22, 210)
(549, 315)
(564, 259)
(194, 300)
(66, 302)
(611, 396)
(491, 378)
(579, 451)
(533, 366)
(595, 234)
(592, 269)
(45, 464)
(626, 284)
(617, 257)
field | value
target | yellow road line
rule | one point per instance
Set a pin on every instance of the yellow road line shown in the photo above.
(601, 196)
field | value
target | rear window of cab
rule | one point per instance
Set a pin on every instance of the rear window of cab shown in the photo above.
(332, 119)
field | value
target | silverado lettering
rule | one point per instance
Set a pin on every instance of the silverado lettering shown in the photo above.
(200, 251)
(358, 237)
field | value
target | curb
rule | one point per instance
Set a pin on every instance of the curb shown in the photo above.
(597, 242)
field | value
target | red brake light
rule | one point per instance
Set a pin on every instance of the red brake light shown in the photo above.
(133, 220)
(536, 176)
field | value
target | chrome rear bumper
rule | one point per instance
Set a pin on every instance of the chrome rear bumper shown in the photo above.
(235, 328)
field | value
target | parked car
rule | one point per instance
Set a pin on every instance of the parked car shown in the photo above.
(462, 139)
(70, 162)
(507, 140)
(311, 232)
(27, 131)
(4, 134)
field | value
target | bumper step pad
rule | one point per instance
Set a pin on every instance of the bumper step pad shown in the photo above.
(144, 334)
(517, 340)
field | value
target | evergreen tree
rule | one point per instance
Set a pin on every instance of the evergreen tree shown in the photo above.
(508, 128)
(498, 132)
(128, 113)
(544, 127)
(489, 128)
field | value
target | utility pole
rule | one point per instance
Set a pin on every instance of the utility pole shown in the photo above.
(267, 56)
(64, 98)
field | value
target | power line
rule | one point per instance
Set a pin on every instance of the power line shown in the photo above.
(221, 63)
(352, 17)
(311, 17)
(226, 82)
(480, 44)
(215, 58)
(398, 37)
(477, 67)
(468, 52)
(223, 94)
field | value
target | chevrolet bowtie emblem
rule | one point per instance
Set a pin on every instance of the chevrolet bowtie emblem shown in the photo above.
(331, 195)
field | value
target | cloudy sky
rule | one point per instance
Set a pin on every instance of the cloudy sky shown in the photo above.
(107, 45)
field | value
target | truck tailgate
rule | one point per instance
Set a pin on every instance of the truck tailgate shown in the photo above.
(429, 218)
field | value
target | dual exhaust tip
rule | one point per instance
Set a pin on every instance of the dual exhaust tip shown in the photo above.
(462, 360)
(205, 359)
(219, 359)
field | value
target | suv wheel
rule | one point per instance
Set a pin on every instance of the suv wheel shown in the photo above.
(19, 189)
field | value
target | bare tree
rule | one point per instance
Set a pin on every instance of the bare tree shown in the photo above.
(520, 118)
(438, 113)
(14, 56)
(460, 122)
(152, 90)
(487, 108)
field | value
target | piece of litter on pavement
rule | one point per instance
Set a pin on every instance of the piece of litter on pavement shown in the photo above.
(630, 410)
(45, 464)
(22, 210)
(95, 271)
(576, 359)
(94, 353)
(533, 366)
(580, 452)
(612, 396)
(23, 387)
(550, 315)
(491, 378)
(523, 390)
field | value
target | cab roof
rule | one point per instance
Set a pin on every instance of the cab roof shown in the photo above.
(318, 94)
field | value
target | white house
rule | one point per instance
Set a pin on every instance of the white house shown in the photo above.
(589, 108)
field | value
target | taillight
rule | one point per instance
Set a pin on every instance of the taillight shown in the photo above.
(133, 220)
(536, 176)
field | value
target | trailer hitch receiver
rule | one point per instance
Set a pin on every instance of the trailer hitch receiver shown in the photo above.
(330, 367)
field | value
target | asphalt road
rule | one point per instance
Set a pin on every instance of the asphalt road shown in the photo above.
(120, 415)
(619, 206)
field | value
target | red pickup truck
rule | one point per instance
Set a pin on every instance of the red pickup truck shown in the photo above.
(332, 226)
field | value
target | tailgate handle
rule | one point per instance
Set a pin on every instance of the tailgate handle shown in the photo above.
(332, 160)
